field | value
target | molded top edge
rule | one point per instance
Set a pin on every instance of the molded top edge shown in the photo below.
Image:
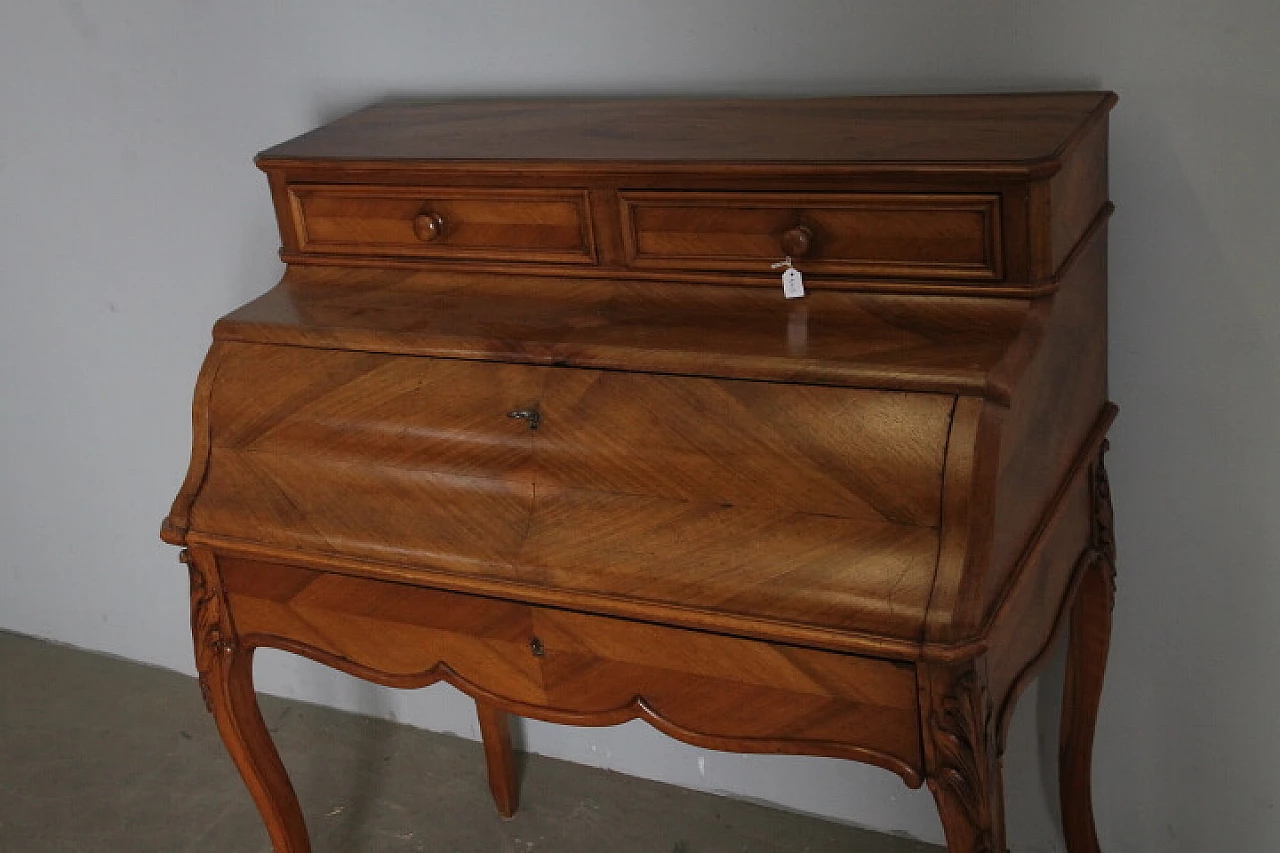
(1028, 132)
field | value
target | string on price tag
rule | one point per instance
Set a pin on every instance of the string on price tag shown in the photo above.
(792, 279)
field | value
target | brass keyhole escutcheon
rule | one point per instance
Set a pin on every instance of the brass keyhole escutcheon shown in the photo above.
(532, 415)
(535, 646)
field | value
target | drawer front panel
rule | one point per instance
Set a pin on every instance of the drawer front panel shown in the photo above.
(551, 226)
(912, 235)
(755, 696)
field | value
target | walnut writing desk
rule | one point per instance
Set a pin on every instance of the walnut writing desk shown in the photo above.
(529, 413)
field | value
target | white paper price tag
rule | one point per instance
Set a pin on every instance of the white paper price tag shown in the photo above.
(792, 279)
(792, 283)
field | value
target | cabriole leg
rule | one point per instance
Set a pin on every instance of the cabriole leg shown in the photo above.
(504, 782)
(226, 680)
(1088, 644)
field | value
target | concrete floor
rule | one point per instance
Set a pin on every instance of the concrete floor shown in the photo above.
(102, 755)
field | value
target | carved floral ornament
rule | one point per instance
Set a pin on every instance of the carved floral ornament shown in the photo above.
(206, 626)
(962, 724)
(1103, 538)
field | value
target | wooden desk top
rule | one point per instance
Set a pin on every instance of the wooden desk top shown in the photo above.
(1019, 129)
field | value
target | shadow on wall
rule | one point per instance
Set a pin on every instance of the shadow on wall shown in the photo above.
(1195, 599)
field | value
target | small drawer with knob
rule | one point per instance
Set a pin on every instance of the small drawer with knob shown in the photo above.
(455, 223)
(898, 235)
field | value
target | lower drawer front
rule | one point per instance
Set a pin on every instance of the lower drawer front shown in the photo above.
(723, 692)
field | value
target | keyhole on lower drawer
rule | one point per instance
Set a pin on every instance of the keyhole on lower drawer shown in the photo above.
(535, 646)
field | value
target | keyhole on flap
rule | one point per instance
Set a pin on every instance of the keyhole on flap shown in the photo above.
(535, 646)
(531, 416)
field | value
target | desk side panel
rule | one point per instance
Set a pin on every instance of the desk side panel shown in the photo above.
(1008, 466)
(1058, 401)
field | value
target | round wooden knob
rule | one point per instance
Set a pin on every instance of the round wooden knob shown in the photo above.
(428, 226)
(796, 241)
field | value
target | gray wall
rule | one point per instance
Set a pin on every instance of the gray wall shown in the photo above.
(131, 217)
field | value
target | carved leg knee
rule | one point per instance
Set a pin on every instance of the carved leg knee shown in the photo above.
(965, 774)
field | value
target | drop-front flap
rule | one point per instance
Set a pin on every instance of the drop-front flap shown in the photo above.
(781, 503)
